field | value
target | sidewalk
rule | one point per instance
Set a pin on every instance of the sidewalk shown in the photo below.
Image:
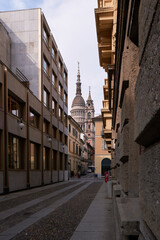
(98, 222)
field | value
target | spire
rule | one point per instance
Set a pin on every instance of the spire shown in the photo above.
(78, 87)
(89, 96)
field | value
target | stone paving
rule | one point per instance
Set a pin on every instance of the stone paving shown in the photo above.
(55, 211)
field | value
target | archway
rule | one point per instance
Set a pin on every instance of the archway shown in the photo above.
(105, 165)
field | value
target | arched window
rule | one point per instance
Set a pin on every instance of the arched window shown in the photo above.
(89, 115)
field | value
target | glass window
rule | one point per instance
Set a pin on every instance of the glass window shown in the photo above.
(65, 98)
(104, 145)
(45, 98)
(46, 158)
(34, 156)
(46, 36)
(54, 80)
(14, 107)
(60, 90)
(60, 114)
(89, 115)
(60, 66)
(54, 131)
(45, 126)
(65, 119)
(60, 136)
(65, 77)
(54, 159)
(33, 119)
(15, 152)
(66, 162)
(61, 161)
(46, 66)
(69, 127)
(53, 52)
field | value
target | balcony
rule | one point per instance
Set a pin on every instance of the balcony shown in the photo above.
(104, 24)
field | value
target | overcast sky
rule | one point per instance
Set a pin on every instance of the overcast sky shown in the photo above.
(72, 23)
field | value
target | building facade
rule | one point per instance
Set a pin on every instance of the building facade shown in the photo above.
(33, 104)
(102, 154)
(135, 102)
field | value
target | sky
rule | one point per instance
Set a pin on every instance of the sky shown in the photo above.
(72, 23)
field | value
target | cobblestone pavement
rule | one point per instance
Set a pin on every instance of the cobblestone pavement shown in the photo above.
(49, 212)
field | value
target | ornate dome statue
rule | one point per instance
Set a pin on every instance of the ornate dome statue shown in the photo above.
(78, 104)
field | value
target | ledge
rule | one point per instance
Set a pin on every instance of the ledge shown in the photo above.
(117, 190)
(129, 215)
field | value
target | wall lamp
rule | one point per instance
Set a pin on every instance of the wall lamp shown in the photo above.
(21, 124)
(49, 139)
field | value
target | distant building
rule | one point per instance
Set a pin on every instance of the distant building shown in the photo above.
(83, 113)
(78, 104)
(33, 103)
(102, 155)
(89, 126)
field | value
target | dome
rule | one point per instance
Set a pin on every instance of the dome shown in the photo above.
(78, 101)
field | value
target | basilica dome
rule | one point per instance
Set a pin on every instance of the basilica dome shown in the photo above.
(78, 101)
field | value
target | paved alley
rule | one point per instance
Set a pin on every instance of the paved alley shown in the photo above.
(79, 207)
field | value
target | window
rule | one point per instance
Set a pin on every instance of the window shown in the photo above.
(54, 131)
(54, 107)
(77, 149)
(45, 126)
(89, 126)
(65, 98)
(65, 77)
(104, 145)
(14, 107)
(60, 136)
(69, 127)
(61, 161)
(60, 90)
(46, 158)
(65, 119)
(60, 114)
(33, 119)
(46, 98)
(66, 140)
(15, 152)
(89, 115)
(60, 66)
(34, 156)
(54, 53)
(46, 36)
(54, 80)
(66, 162)
(54, 159)
(46, 66)
(73, 147)
(69, 145)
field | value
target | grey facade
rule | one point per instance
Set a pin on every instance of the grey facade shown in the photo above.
(33, 104)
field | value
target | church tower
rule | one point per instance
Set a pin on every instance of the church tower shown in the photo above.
(89, 114)
(78, 104)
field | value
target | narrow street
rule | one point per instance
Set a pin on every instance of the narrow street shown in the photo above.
(56, 211)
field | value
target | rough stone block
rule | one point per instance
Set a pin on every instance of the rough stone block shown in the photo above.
(129, 215)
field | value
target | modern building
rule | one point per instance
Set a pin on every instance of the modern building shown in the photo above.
(33, 103)
(135, 108)
(102, 154)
